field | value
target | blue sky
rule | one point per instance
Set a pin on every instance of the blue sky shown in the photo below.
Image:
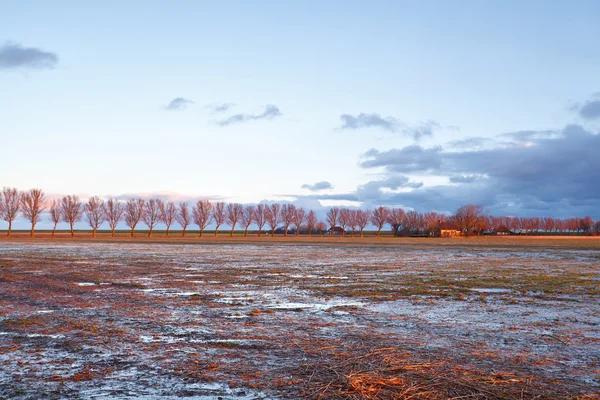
(466, 83)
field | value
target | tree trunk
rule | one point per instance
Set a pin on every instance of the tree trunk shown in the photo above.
(231, 231)
(53, 230)
(168, 227)
(183, 231)
(273, 232)
(94, 232)
(112, 231)
(132, 229)
(201, 230)
(72, 232)
(150, 232)
(217, 230)
(246, 232)
(32, 230)
(361, 233)
(378, 230)
(9, 228)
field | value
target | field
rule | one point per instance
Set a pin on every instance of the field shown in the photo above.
(511, 318)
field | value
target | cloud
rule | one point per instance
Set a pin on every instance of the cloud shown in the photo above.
(373, 120)
(590, 110)
(470, 143)
(220, 107)
(412, 158)
(315, 187)
(555, 174)
(464, 178)
(389, 124)
(178, 103)
(422, 129)
(550, 170)
(374, 190)
(528, 135)
(13, 55)
(271, 111)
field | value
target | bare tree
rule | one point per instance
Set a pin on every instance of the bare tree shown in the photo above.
(468, 216)
(94, 213)
(272, 215)
(72, 211)
(321, 226)
(32, 206)
(596, 228)
(353, 224)
(218, 214)
(299, 217)
(362, 219)
(396, 218)
(202, 213)
(433, 220)
(134, 210)
(9, 206)
(287, 217)
(151, 215)
(344, 219)
(55, 214)
(233, 213)
(259, 217)
(113, 213)
(247, 218)
(411, 220)
(311, 222)
(332, 218)
(168, 213)
(184, 218)
(380, 217)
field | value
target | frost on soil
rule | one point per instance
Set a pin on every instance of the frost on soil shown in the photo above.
(250, 322)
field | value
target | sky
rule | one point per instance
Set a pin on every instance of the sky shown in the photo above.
(422, 105)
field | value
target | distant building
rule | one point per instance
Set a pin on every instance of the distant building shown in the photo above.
(337, 230)
(446, 229)
(502, 231)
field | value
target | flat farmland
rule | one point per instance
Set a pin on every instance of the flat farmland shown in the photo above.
(457, 319)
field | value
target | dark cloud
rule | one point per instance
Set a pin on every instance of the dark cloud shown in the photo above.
(374, 190)
(13, 55)
(270, 112)
(555, 174)
(412, 158)
(220, 108)
(178, 103)
(389, 124)
(315, 187)
(590, 110)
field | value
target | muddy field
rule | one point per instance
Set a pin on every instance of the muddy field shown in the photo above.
(150, 321)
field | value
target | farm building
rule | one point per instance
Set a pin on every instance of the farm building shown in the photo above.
(502, 231)
(446, 229)
(337, 230)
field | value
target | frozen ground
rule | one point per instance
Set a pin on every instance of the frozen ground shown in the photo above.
(157, 321)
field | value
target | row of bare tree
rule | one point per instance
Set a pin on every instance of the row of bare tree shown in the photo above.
(470, 219)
